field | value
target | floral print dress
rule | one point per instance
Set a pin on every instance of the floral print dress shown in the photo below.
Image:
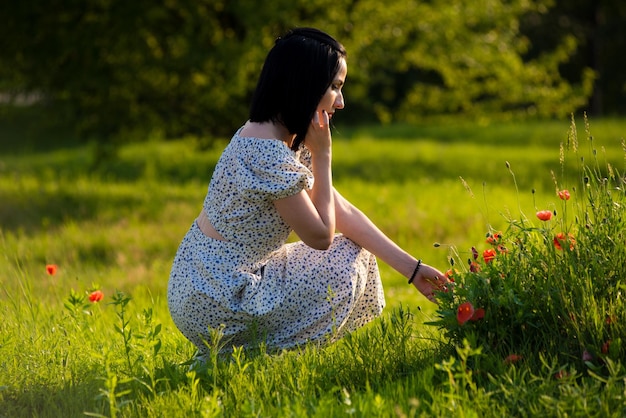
(255, 285)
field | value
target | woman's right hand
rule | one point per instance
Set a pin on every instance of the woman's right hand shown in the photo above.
(429, 280)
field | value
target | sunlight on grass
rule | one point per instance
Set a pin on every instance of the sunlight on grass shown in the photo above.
(116, 229)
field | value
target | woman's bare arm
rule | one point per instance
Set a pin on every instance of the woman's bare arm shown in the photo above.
(312, 215)
(355, 225)
(302, 215)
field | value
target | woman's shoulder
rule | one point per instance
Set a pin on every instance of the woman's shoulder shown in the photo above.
(253, 144)
(255, 131)
(265, 131)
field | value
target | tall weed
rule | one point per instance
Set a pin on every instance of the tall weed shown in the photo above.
(551, 284)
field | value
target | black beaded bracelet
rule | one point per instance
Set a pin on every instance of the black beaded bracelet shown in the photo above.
(419, 263)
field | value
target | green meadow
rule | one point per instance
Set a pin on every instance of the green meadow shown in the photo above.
(437, 190)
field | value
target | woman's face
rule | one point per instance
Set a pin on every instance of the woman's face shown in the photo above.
(333, 98)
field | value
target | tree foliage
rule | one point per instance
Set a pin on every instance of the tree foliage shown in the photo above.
(597, 29)
(112, 68)
(458, 57)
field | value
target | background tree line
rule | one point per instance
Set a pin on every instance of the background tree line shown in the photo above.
(121, 69)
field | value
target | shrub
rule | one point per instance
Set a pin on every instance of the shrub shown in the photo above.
(550, 284)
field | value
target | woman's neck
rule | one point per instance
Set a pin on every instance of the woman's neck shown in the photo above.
(268, 130)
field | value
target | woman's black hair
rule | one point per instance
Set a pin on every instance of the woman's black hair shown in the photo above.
(297, 72)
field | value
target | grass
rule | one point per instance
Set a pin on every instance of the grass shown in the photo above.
(116, 228)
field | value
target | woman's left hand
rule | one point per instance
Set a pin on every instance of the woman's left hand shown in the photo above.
(318, 137)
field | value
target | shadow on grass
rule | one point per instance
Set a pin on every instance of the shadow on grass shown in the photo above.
(29, 129)
(494, 134)
(78, 397)
(128, 187)
(70, 397)
(47, 159)
(26, 212)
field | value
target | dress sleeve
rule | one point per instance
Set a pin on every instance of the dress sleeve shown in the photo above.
(304, 156)
(273, 175)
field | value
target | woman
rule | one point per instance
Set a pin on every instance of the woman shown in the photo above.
(235, 271)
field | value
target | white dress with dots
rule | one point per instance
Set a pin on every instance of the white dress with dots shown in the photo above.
(254, 285)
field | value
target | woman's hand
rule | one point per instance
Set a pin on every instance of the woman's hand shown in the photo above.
(318, 138)
(429, 280)
(312, 215)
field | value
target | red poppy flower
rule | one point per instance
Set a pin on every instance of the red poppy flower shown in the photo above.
(96, 296)
(494, 238)
(489, 254)
(503, 249)
(474, 253)
(464, 312)
(544, 215)
(449, 275)
(564, 194)
(51, 269)
(478, 314)
(561, 239)
(474, 267)
(512, 358)
(605, 347)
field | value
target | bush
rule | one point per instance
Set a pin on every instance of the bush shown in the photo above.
(550, 284)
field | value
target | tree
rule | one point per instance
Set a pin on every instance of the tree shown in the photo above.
(597, 28)
(112, 67)
(458, 57)
(118, 69)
